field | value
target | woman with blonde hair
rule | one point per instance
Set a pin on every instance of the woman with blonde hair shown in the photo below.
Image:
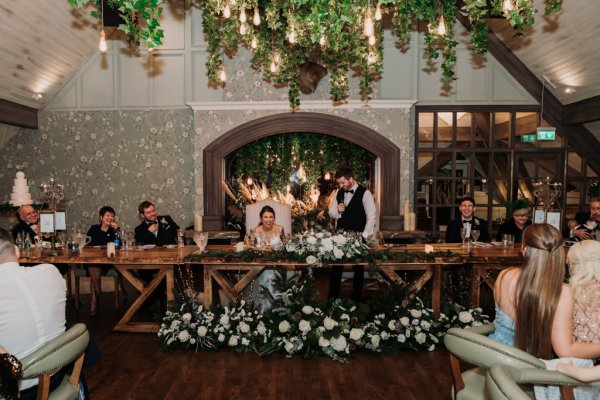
(584, 271)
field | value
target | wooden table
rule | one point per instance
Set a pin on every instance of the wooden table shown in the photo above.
(125, 262)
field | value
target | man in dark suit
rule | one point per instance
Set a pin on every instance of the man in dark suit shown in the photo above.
(467, 220)
(156, 229)
(586, 223)
(355, 210)
(28, 223)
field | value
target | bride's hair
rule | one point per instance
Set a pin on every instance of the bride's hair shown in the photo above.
(584, 266)
(264, 210)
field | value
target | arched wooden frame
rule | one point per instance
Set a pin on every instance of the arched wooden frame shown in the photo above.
(388, 153)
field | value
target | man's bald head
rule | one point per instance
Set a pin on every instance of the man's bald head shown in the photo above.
(28, 214)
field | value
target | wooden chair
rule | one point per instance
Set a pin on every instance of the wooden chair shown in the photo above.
(80, 272)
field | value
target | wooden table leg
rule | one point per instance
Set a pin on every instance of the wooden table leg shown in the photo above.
(436, 289)
(475, 285)
(170, 280)
(208, 293)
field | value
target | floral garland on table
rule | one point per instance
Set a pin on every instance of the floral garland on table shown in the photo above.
(320, 246)
(297, 324)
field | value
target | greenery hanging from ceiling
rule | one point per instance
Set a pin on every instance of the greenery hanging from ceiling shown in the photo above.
(275, 158)
(341, 35)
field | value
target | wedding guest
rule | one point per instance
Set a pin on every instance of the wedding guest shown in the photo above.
(587, 223)
(100, 234)
(267, 229)
(354, 208)
(468, 221)
(155, 229)
(28, 222)
(10, 373)
(542, 324)
(521, 210)
(32, 304)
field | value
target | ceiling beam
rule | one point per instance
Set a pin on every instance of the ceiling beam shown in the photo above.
(578, 135)
(583, 111)
(17, 114)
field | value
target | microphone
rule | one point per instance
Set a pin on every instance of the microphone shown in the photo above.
(340, 199)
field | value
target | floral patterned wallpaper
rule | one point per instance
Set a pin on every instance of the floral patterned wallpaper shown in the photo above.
(116, 158)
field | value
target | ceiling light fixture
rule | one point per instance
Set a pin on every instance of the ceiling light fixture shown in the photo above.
(37, 96)
(570, 91)
(102, 45)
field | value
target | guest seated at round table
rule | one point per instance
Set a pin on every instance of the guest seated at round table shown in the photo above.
(584, 271)
(100, 234)
(542, 324)
(268, 233)
(521, 210)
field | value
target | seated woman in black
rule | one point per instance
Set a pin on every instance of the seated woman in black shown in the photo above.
(521, 209)
(100, 234)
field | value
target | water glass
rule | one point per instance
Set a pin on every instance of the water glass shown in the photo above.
(508, 240)
(475, 235)
(463, 236)
(201, 239)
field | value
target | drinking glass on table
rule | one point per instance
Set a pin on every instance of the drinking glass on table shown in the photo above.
(201, 239)
(475, 235)
(463, 236)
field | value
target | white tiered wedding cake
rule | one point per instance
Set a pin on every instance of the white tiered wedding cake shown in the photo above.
(20, 194)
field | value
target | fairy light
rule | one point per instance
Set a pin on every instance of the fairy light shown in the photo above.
(249, 181)
(322, 41)
(243, 29)
(223, 75)
(227, 10)
(243, 17)
(273, 66)
(441, 30)
(254, 43)
(256, 17)
(372, 40)
(378, 12)
(102, 46)
(507, 6)
(368, 28)
(292, 35)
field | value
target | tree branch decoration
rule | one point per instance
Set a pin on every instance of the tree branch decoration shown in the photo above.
(342, 36)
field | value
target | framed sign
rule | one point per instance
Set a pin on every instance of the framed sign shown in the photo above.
(46, 222)
(554, 218)
(539, 217)
(60, 220)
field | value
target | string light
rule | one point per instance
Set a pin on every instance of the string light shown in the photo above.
(227, 10)
(273, 66)
(243, 17)
(102, 46)
(372, 40)
(254, 43)
(256, 17)
(223, 75)
(368, 28)
(243, 29)
(441, 30)
(507, 6)
(292, 35)
(249, 181)
(322, 41)
(378, 12)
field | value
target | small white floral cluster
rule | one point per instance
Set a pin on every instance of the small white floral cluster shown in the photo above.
(319, 246)
(463, 318)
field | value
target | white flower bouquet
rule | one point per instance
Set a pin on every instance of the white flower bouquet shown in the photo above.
(316, 247)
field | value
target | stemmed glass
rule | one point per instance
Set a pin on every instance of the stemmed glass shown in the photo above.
(463, 236)
(62, 238)
(475, 235)
(201, 239)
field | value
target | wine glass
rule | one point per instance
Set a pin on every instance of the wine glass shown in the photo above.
(475, 235)
(62, 237)
(463, 236)
(201, 239)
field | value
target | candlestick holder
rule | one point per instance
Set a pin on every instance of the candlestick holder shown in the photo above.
(547, 192)
(52, 193)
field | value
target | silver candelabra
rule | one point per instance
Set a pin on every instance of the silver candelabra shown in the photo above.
(547, 192)
(52, 193)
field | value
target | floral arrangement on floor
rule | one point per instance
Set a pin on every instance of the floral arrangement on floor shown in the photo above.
(298, 324)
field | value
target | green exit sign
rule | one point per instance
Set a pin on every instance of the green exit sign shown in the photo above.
(528, 138)
(546, 133)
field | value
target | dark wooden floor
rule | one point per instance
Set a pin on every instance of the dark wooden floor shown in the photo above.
(133, 367)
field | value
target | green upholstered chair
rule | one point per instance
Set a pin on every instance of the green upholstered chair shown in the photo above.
(474, 347)
(504, 382)
(60, 351)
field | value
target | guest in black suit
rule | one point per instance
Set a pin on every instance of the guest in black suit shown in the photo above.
(521, 210)
(156, 229)
(586, 223)
(354, 208)
(28, 223)
(466, 220)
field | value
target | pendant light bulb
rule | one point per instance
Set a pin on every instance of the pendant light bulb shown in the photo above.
(227, 11)
(292, 36)
(378, 15)
(368, 28)
(243, 29)
(322, 41)
(273, 66)
(232, 2)
(441, 30)
(256, 17)
(507, 6)
(102, 45)
(243, 17)
(254, 43)
(223, 75)
(372, 40)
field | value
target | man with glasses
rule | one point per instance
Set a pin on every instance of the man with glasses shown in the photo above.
(521, 211)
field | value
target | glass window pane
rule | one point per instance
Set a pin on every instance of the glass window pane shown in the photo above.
(424, 191)
(526, 124)
(424, 164)
(591, 173)
(502, 123)
(463, 188)
(463, 130)
(425, 137)
(500, 165)
(483, 129)
(574, 192)
(445, 161)
(499, 189)
(445, 129)
(443, 215)
(574, 164)
(443, 191)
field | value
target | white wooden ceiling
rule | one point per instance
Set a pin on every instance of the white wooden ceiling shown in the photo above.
(44, 42)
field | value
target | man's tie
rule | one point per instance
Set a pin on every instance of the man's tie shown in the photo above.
(467, 222)
(349, 191)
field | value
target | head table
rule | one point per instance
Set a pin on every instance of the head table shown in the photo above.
(481, 260)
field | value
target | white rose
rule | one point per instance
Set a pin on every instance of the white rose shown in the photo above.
(420, 338)
(245, 342)
(356, 333)
(244, 327)
(289, 346)
(304, 326)
(327, 244)
(319, 235)
(392, 325)
(186, 317)
(311, 240)
(224, 320)
(416, 313)
(311, 260)
(384, 335)
(337, 253)
(401, 338)
(307, 310)
(323, 342)
(221, 337)
(284, 326)
(404, 321)
(183, 336)
(425, 325)
(261, 329)
(465, 317)
(329, 324)
(339, 239)
(348, 255)
(202, 331)
(233, 341)
(344, 317)
(375, 340)
(339, 343)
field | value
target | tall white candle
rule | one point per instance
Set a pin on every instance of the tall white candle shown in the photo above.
(406, 211)
(413, 220)
(197, 221)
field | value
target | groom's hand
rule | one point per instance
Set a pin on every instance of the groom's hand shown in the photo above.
(341, 208)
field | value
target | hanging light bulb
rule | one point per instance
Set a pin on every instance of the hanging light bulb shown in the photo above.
(243, 29)
(372, 40)
(292, 35)
(249, 181)
(327, 176)
(507, 6)
(102, 46)
(371, 58)
(227, 10)
(232, 2)
(322, 41)
(254, 43)
(256, 17)
(223, 75)
(441, 30)
(273, 66)
(378, 12)
(368, 28)
(243, 17)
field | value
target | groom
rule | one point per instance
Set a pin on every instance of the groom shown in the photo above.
(354, 208)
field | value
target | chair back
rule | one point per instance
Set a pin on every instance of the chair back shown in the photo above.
(283, 214)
